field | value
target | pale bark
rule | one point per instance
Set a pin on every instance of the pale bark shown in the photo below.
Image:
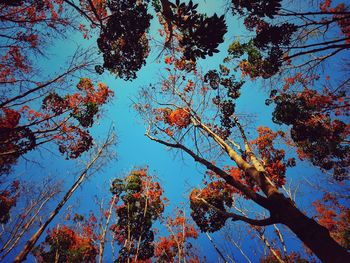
(104, 230)
(31, 242)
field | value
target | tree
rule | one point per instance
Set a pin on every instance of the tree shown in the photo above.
(124, 41)
(258, 172)
(176, 247)
(335, 217)
(33, 202)
(190, 111)
(318, 127)
(142, 206)
(34, 238)
(63, 120)
(279, 39)
(66, 112)
(8, 199)
(104, 228)
(69, 244)
(25, 28)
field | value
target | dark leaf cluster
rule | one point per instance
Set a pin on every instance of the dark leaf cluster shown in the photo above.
(201, 35)
(14, 142)
(123, 39)
(208, 218)
(261, 8)
(229, 89)
(320, 138)
(274, 35)
(135, 218)
(73, 148)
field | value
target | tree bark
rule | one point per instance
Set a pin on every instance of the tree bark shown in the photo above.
(104, 232)
(31, 242)
(312, 234)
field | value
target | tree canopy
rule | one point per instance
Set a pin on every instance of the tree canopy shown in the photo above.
(241, 107)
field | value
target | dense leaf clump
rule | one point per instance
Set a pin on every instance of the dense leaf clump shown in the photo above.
(123, 41)
(260, 8)
(319, 137)
(228, 90)
(63, 244)
(201, 35)
(142, 205)
(209, 206)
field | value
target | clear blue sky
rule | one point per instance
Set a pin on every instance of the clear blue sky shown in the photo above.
(176, 175)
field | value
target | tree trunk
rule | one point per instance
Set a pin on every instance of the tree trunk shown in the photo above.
(104, 231)
(314, 236)
(31, 242)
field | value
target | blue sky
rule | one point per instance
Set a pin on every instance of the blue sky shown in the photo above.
(133, 149)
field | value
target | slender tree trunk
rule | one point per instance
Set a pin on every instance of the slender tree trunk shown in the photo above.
(240, 249)
(31, 242)
(103, 237)
(314, 236)
(141, 230)
(216, 248)
(268, 245)
(24, 229)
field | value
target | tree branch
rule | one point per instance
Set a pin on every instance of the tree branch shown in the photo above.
(236, 217)
(262, 201)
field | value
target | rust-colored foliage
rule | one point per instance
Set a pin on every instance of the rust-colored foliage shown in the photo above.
(179, 118)
(177, 247)
(318, 127)
(142, 205)
(65, 244)
(343, 20)
(8, 199)
(273, 159)
(209, 205)
(30, 19)
(63, 120)
(335, 217)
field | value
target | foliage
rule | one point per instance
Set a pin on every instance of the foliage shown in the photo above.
(8, 199)
(24, 129)
(142, 206)
(15, 140)
(65, 244)
(200, 35)
(277, 40)
(260, 8)
(317, 127)
(176, 247)
(123, 40)
(228, 90)
(220, 197)
(260, 166)
(22, 27)
(188, 110)
(274, 159)
(335, 217)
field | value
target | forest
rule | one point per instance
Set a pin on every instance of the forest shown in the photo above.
(175, 131)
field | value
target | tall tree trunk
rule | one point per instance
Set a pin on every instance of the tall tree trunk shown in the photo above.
(314, 236)
(216, 248)
(31, 242)
(104, 231)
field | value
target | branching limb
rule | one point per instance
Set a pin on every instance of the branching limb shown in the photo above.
(235, 217)
(262, 201)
